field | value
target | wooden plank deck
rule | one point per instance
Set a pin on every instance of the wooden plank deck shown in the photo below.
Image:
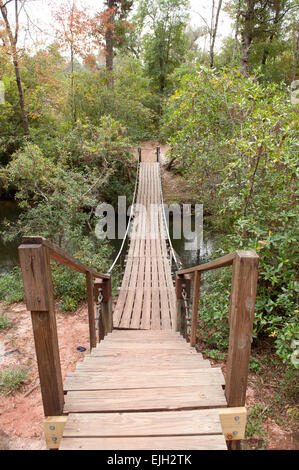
(147, 298)
(144, 386)
(144, 390)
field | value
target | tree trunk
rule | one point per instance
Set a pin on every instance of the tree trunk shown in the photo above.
(109, 36)
(214, 33)
(247, 35)
(21, 96)
(14, 53)
(296, 54)
(237, 30)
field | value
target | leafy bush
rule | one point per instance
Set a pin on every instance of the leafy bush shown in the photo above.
(11, 286)
(235, 140)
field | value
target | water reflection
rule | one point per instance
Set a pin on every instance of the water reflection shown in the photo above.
(192, 251)
(8, 250)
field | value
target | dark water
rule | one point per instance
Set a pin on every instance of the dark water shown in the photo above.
(8, 250)
(193, 252)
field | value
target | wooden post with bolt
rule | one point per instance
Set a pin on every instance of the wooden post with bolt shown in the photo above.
(37, 280)
(106, 318)
(53, 429)
(182, 283)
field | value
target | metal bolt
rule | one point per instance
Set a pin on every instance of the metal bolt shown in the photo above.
(235, 433)
(38, 299)
(237, 418)
(52, 428)
(54, 439)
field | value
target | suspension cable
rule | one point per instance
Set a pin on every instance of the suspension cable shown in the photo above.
(173, 253)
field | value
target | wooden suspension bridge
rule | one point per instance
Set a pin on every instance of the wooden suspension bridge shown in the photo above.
(143, 385)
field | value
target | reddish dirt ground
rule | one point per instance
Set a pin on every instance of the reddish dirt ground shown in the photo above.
(21, 413)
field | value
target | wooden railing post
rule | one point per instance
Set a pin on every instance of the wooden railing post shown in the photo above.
(91, 310)
(182, 284)
(38, 288)
(158, 154)
(106, 318)
(194, 319)
(139, 155)
(242, 303)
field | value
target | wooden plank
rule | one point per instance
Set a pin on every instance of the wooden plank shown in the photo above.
(93, 381)
(36, 288)
(214, 374)
(155, 354)
(143, 424)
(163, 398)
(145, 341)
(216, 442)
(53, 429)
(136, 313)
(131, 333)
(222, 262)
(233, 423)
(138, 366)
(122, 345)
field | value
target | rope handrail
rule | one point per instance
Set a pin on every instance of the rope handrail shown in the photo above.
(128, 225)
(174, 255)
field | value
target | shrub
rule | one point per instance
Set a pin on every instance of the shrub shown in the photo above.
(11, 286)
(235, 140)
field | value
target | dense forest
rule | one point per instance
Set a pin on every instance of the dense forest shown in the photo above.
(75, 106)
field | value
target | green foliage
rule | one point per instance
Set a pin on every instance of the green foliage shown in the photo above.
(214, 354)
(131, 102)
(12, 378)
(11, 286)
(235, 140)
(254, 365)
(164, 50)
(255, 421)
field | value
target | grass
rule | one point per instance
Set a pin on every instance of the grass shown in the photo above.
(12, 378)
(5, 322)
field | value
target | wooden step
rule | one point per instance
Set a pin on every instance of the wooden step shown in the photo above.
(97, 363)
(214, 373)
(154, 354)
(175, 398)
(215, 442)
(193, 422)
(81, 380)
(144, 346)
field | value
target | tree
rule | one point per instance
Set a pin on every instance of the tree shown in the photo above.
(12, 35)
(111, 26)
(259, 21)
(164, 48)
(73, 33)
(214, 27)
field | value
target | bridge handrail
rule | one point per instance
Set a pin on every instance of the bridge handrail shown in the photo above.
(130, 218)
(35, 255)
(63, 257)
(242, 303)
